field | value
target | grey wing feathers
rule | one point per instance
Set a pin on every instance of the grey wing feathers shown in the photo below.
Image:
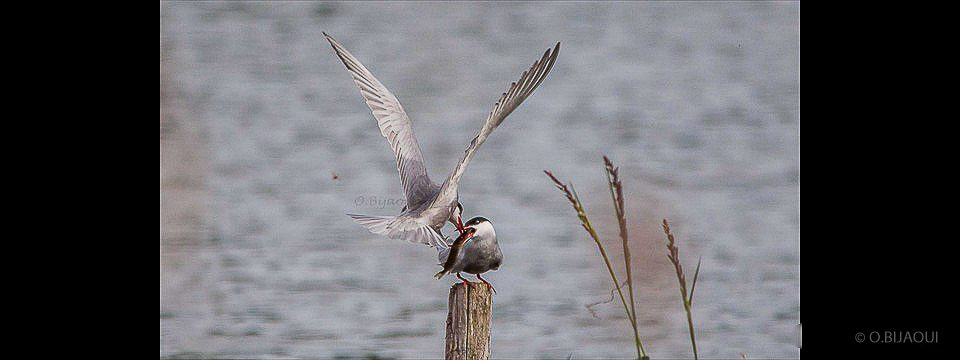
(509, 101)
(521, 89)
(394, 125)
(401, 228)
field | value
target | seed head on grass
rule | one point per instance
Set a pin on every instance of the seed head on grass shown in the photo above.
(616, 193)
(674, 256)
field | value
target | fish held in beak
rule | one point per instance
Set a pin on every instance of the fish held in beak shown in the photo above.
(455, 249)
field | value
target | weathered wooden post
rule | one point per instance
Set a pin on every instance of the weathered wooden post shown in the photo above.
(469, 322)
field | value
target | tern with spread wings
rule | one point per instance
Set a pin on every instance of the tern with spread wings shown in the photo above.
(429, 206)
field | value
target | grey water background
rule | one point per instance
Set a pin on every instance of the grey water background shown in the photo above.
(266, 144)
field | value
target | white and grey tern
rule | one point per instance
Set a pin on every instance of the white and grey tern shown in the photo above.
(479, 255)
(429, 205)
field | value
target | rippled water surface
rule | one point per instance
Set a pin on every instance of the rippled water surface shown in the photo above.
(266, 144)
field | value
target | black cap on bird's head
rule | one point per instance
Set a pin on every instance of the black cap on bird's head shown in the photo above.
(483, 226)
(476, 220)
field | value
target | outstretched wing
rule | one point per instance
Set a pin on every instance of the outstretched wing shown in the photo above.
(508, 102)
(394, 125)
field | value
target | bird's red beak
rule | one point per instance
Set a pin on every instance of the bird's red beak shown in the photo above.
(460, 226)
(467, 234)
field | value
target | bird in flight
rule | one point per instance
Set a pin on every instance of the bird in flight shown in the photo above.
(429, 205)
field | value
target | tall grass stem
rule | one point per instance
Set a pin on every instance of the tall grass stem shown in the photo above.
(574, 199)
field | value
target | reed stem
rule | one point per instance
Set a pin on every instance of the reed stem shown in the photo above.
(574, 199)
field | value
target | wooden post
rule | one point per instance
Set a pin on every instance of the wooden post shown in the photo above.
(469, 322)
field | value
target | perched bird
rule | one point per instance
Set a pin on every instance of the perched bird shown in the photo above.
(476, 251)
(429, 206)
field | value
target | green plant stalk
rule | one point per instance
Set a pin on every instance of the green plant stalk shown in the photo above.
(674, 256)
(613, 275)
(688, 306)
(585, 221)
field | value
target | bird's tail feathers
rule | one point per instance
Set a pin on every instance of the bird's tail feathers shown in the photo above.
(401, 229)
(376, 224)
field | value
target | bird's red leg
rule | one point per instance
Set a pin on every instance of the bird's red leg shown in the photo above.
(465, 281)
(488, 284)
